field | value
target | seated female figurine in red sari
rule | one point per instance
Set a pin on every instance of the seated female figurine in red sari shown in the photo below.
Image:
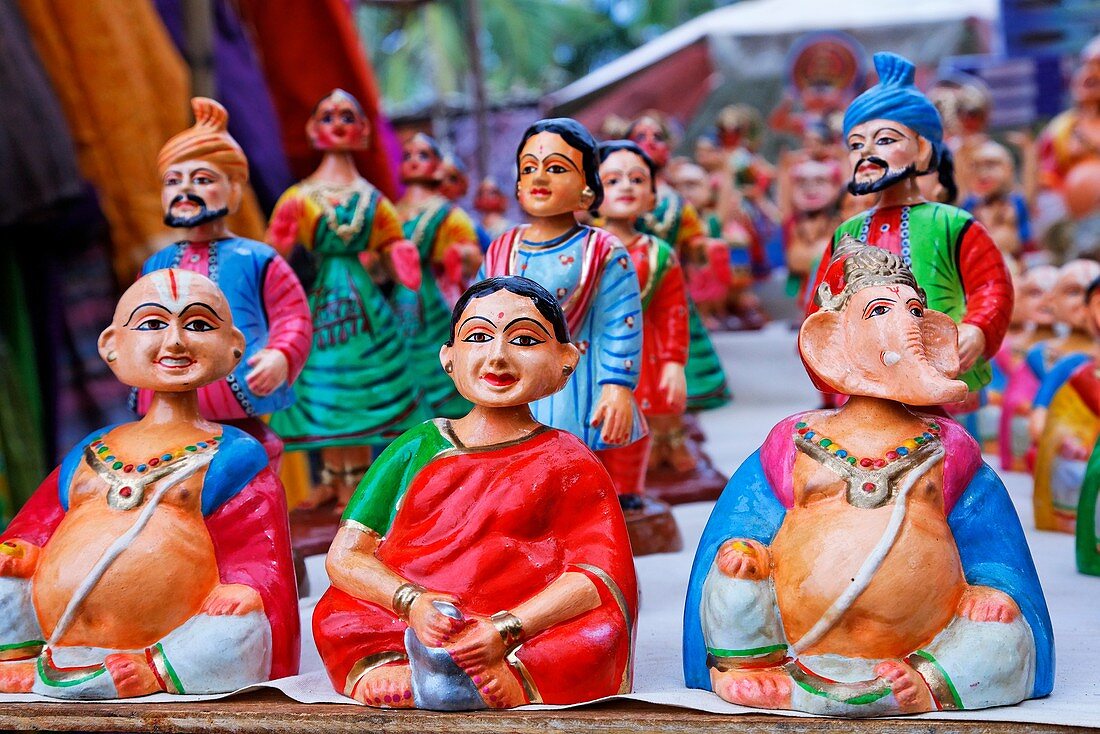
(484, 562)
(157, 556)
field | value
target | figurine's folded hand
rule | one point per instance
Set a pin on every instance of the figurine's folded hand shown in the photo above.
(477, 646)
(971, 345)
(236, 599)
(18, 558)
(431, 626)
(741, 558)
(269, 370)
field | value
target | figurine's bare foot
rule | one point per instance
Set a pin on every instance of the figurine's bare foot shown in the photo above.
(498, 685)
(131, 674)
(764, 688)
(984, 604)
(742, 558)
(232, 599)
(17, 676)
(680, 456)
(388, 686)
(908, 687)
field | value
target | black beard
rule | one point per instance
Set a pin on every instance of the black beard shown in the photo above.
(888, 179)
(203, 216)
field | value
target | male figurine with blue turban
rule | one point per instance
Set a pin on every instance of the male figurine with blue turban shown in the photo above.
(894, 134)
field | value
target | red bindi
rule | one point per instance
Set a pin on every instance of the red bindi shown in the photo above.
(500, 315)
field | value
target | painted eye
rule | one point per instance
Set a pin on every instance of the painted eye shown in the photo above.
(199, 325)
(172, 181)
(855, 145)
(203, 180)
(527, 170)
(347, 118)
(917, 311)
(637, 181)
(152, 325)
(478, 337)
(879, 310)
(327, 118)
(885, 140)
(525, 340)
(557, 168)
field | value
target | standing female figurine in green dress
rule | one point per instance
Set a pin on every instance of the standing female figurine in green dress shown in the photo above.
(355, 391)
(446, 240)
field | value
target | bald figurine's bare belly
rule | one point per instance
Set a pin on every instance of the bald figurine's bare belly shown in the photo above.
(158, 582)
(821, 547)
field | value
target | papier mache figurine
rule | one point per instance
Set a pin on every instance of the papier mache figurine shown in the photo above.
(811, 192)
(484, 561)
(1036, 319)
(995, 200)
(490, 203)
(1069, 401)
(627, 174)
(894, 135)
(446, 239)
(865, 561)
(203, 173)
(592, 276)
(346, 404)
(156, 558)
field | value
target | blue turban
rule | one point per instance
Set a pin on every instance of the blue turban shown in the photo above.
(896, 98)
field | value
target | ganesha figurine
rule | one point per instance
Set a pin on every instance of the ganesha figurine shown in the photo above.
(156, 558)
(865, 561)
(484, 561)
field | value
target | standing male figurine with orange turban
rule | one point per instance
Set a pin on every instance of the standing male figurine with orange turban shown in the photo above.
(203, 172)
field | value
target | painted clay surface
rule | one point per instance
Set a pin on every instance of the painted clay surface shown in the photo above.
(157, 556)
(484, 561)
(802, 593)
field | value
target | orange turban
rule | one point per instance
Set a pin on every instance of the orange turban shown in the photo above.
(206, 140)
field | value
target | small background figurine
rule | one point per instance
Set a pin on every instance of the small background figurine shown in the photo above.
(865, 561)
(156, 557)
(484, 562)
(627, 174)
(203, 173)
(995, 200)
(1069, 400)
(346, 404)
(445, 237)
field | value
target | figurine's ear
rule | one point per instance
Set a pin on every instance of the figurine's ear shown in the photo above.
(571, 357)
(106, 344)
(924, 153)
(364, 137)
(236, 194)
(821, 343)
(446, 357)
(311, 132)
(238, 345)
(941, 342)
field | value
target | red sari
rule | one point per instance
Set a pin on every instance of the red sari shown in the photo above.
(494, 526)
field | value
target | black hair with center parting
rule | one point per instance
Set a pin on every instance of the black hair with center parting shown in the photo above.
(546, 304)
(577, 137)
(614, 146)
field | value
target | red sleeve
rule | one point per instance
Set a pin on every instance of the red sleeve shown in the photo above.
(669, 309)
(987, 285)
(40, 516)
(290, 324)
(251, 536)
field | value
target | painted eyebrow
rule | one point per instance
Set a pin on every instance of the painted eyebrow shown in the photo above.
(200, 304)
(548, 157)
(513, 322)
(476, 318)
(143, 305)
(208, 171)
(894, 130)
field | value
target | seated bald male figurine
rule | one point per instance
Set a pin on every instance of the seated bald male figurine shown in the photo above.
(156, 558)
(865, 561)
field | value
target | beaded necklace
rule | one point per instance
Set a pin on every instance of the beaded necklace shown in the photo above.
(127, 480)
(870, 479)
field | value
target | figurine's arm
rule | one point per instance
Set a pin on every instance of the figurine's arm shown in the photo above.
(456, 248)
(290, 330)
(669, 309)
(989, 293)
(31, 529)
(617, 307)
(286, 220)
(387, 238)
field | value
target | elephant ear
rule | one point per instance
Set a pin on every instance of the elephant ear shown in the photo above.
(941, 342)
(821, 344)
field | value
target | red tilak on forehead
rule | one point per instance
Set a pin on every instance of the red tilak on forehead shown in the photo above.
(500, 315)
(893, 289)
(172, 282)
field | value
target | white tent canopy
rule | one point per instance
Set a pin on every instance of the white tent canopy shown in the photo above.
(749, 40)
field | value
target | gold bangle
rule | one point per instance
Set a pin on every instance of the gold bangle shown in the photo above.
(404, 598)
(509, 627)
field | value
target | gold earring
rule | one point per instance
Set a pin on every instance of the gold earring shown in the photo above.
(567, 370)
(112, 356)
(237, 353)
(517, 189)
(449, 367)
(588, 193)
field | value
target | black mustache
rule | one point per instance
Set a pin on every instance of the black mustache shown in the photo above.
(874, 161)
(187, 197)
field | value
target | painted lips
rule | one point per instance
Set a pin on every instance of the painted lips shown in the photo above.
(175, 362)
(499, 380)
(540, 192)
